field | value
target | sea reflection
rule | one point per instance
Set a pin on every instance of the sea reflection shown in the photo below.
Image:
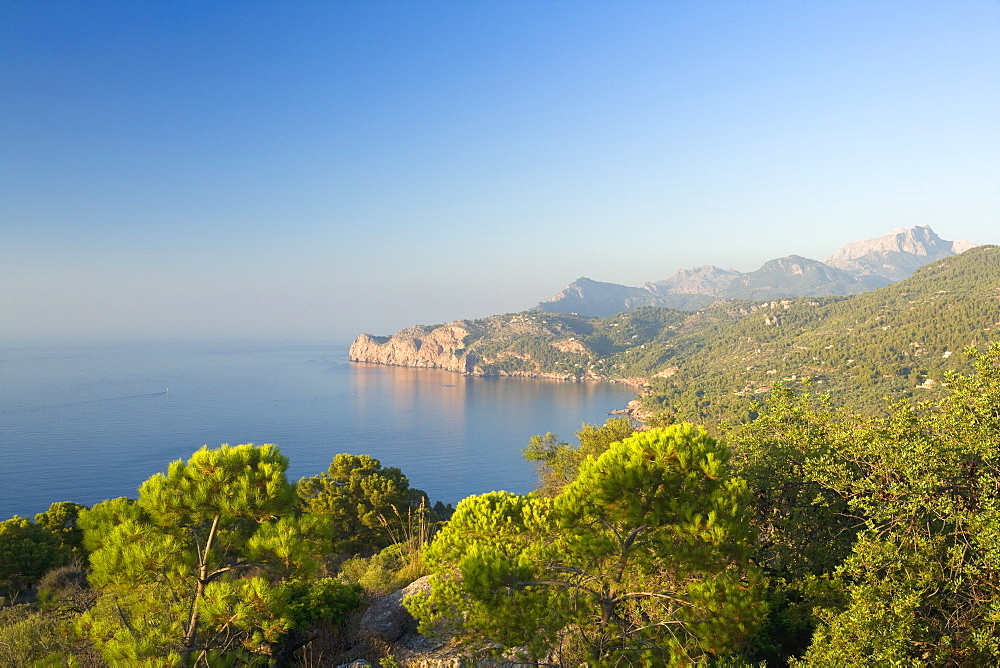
(87, 423)
(455, 435)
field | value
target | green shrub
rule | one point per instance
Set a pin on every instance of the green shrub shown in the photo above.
(383, 573)
(30, 638)
(323, 600)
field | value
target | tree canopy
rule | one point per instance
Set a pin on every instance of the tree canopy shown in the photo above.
(358, 497)
(559, 462)
(193, 568)
(643, 557)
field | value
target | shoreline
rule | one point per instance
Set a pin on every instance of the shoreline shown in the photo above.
(632, 382)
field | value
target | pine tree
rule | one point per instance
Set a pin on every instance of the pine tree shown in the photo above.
(189, 570)
(643, 558)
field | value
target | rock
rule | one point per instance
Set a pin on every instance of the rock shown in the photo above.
(896, 255)
(437, 348)
(389, 623)
(452, 347)
(387, 619)
(416, 651)
(358, 663)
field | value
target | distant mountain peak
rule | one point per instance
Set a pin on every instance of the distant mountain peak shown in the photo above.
(894, 256)
(705, 280)
(858, 266)
(919, 240)
(589, 297)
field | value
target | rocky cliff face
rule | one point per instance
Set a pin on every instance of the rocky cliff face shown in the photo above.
(439, 348)
(896, 255)
(484, 347)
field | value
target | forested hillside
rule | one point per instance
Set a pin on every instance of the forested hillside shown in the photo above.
(707, 365)
(896, 341)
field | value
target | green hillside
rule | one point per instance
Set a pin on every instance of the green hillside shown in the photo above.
(897, 341)
(709, 365)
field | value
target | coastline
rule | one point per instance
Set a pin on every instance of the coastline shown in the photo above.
(501, 373)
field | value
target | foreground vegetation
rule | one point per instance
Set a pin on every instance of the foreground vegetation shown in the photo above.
(220, 561)
(809, 535)
(818, 537)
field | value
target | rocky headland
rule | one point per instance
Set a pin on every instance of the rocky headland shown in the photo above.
(732, 349)
(438, 348)
(519, 345)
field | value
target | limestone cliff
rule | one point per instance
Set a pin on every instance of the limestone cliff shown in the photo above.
(527, 345)
(896, 255)
(437, 348)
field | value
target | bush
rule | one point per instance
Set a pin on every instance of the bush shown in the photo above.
(65, 589)
(383, 573)
(27, 551)
(30, 638)
(323, 600)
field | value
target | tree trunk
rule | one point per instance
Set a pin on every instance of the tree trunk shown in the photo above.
(192, 627)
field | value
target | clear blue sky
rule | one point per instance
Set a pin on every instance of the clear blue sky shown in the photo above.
(311, 170)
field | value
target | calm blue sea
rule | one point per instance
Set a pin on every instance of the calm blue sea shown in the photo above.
(89, 423)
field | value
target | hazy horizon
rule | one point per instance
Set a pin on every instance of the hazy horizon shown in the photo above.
(307, 171)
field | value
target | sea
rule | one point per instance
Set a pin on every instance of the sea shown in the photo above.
(89, 422)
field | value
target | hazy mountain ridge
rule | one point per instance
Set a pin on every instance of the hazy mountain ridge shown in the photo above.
(707, 280)
(920, 241)
(709, 364)
(858, 266)
(597, 299)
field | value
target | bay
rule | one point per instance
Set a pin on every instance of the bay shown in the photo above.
(88, 423)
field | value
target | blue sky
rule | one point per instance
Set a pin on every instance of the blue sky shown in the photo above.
(311, 170)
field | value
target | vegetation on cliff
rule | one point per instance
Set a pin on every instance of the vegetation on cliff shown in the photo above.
(709, 365)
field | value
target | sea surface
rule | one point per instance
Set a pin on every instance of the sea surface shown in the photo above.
(88, 423)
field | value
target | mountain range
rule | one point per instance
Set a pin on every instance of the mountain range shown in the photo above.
(711, 364)
(859, 266)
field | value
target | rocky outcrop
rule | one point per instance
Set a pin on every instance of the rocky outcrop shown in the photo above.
(896, 255)
(452, 347)
(417, 651)
(390, 625)
(388, 619)
(438, 348)
(635, 411)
